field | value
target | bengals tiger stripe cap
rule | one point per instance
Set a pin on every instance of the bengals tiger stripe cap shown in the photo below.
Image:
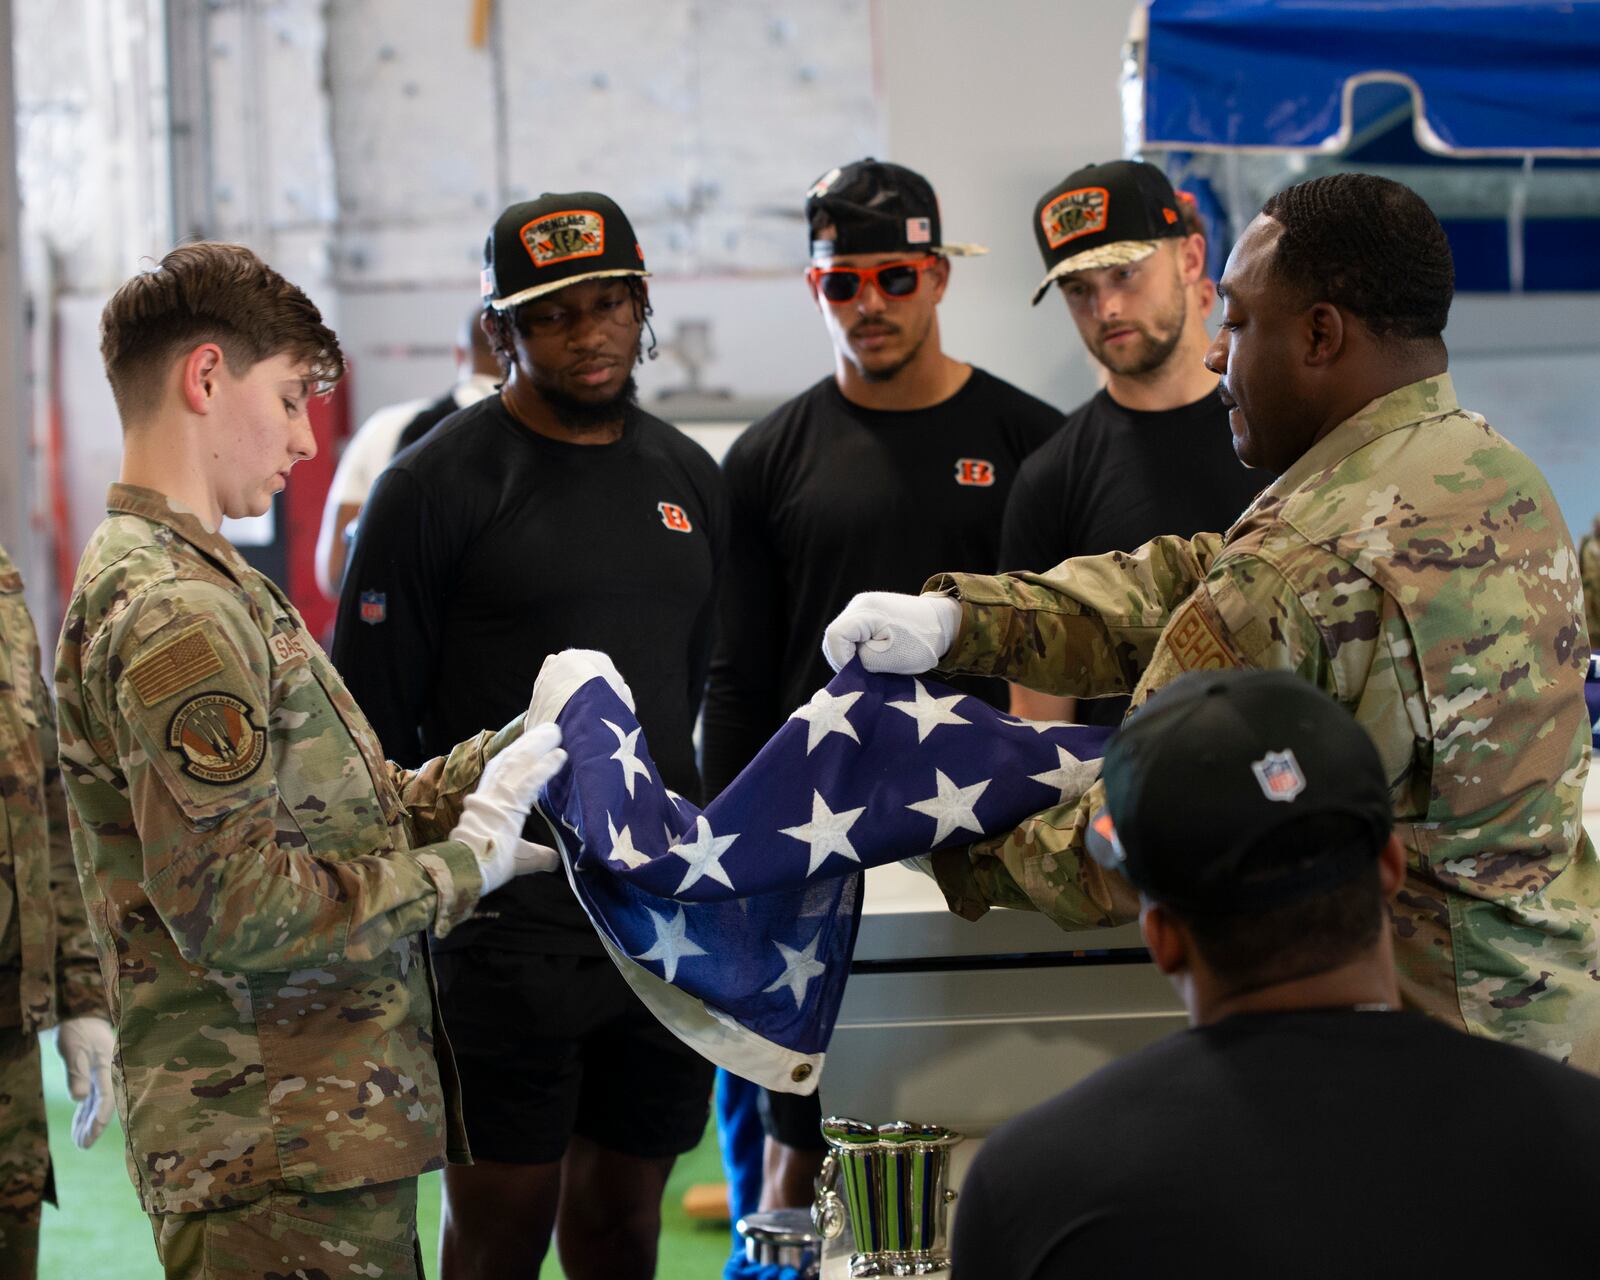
(539, 246)
(1104, 215)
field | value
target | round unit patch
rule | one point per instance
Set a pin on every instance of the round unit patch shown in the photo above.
(217, 739)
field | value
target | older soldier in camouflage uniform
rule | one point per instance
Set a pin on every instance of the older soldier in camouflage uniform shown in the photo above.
(258, 876)
(47, 961)
(1408, 560)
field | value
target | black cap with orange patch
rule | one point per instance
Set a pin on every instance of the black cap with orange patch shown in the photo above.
(539, 246)
(1104, 215)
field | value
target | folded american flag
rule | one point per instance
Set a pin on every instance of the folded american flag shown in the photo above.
(736, 924)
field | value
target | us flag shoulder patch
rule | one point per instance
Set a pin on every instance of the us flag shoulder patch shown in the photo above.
(188, 658)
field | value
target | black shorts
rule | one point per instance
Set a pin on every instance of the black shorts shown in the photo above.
(552, 1045)
(794, 1119)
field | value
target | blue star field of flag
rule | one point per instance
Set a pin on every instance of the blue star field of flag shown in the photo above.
(750, 908)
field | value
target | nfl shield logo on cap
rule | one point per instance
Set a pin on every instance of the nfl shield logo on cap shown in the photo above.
(1279, 774)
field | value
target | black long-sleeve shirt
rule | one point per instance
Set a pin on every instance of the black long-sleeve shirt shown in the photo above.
(1113, 478)
(487, 546)
(827, 499)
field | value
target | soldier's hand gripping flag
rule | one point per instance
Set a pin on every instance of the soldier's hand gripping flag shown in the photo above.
(736, 924)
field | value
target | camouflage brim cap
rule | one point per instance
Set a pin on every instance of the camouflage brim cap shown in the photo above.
(872, 206)
(1104, 215)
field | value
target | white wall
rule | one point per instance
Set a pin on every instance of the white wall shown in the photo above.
(996, 102)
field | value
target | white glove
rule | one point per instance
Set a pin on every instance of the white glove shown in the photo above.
(900, 634)
(87, 1045)
(492, 817)
(563, 674)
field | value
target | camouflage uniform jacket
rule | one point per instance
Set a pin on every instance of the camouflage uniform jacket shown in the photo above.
(255, 896)
(47, 961)
(1414, 566)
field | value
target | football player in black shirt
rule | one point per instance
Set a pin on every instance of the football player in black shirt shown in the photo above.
(892, 467)
(556, 514)
(1151, 452)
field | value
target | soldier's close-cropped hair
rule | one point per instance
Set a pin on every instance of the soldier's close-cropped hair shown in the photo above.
(1369, 245)
(209, 292)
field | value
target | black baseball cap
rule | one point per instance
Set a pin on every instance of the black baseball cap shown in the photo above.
(539, 246)
(872, 206)
(1104, 215)
(1211, 766)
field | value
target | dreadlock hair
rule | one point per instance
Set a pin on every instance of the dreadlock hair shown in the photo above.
(502, 323)
(1369, 245)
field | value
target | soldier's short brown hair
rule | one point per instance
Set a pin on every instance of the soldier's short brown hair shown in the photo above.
(208, 292)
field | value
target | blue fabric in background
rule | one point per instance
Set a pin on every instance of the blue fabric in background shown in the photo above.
(741, 1136)
(1591, 695)
(1493, 75)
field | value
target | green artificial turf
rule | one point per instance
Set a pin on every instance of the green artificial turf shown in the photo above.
(99, 1230)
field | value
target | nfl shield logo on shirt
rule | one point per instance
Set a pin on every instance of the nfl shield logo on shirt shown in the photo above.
(1279, 774)
(374, 607)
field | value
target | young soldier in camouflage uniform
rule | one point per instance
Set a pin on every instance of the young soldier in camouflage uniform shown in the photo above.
(1408, 560)
(257, 875)
(47, 962)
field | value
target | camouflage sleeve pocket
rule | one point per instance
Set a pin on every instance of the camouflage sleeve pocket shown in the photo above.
(197, 709)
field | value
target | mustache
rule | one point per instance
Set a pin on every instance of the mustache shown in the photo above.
(873, 326)
(1107, 330)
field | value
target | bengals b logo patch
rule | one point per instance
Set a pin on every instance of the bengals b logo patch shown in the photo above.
(977, 472)
(674, 517)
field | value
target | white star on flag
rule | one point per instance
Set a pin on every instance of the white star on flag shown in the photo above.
(704, 855)
(825, 714)
(1069, 777)
(799, 968)
(672, 943)
(951, 806)
(826, 833)
(928, 711)
(623, 849)
(627, 755)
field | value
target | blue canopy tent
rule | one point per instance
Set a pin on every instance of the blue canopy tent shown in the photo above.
(1489, 108)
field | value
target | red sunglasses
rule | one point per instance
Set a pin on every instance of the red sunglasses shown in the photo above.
(891, 279)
